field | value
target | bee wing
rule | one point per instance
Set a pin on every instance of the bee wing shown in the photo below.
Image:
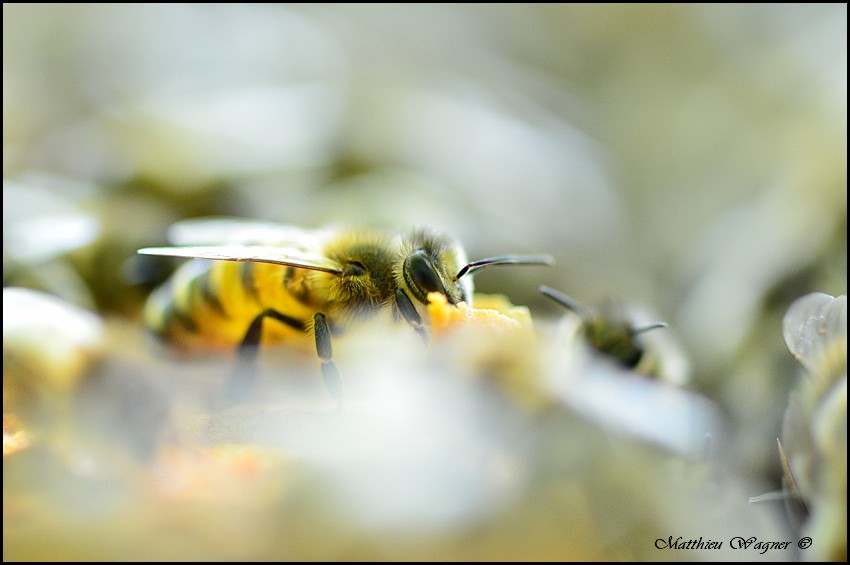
(222, 230)
(291, 257)
(813, 327)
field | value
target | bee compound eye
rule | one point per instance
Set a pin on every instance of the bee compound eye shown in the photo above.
(421, 275)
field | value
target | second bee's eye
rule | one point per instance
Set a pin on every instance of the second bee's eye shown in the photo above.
(421, 275)
(355, 269)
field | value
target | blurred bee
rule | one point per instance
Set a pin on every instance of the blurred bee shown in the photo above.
(602, 368)
(614, 332)
(813, 449)
(308, 282)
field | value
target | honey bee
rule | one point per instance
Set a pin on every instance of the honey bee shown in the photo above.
(308, 283)
(612, 332)
(609, 367)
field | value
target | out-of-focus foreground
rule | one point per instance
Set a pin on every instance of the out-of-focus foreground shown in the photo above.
(682, 163)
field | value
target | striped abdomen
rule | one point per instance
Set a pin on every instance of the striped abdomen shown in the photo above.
(208, 305)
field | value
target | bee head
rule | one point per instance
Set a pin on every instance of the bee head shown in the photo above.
(609, 330)
(614, 337)
(436, 263)
(430, 262)
(424, 274)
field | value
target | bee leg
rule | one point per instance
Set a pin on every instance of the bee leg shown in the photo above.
(408, 310)
(330, 374)
(245, 373)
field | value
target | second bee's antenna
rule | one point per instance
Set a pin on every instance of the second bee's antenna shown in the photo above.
(585, 313)
(567, 302)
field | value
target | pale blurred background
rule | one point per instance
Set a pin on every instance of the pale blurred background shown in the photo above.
(691, 158)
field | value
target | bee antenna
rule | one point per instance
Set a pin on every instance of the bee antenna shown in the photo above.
(646, 328)
(505, 260)
(567, 302)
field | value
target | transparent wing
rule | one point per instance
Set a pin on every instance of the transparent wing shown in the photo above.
(232, 231)
(291, 257)
(813, 326)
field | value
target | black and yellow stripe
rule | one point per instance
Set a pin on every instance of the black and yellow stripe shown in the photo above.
(209, 305)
